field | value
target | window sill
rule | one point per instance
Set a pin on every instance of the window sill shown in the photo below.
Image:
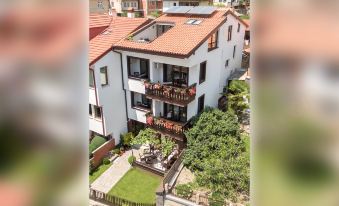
(137, 78)
(140, 108)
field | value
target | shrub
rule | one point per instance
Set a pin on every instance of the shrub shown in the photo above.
(131, 159)
(96, 142)
(106, 161)
(184, 190)
(116, 151)
(126, 139)
(216, 200)
(155, 14)
(91, 167)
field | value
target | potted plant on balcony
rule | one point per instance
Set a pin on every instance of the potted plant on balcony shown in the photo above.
(157, 86)
(169, 125)
(149, 120)
(192, 91)
(147, 84)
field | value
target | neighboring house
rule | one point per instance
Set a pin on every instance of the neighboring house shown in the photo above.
(107, 105)
(149, 6)
(99, 6)
(169, 3)
(189, 55)
(227, 3)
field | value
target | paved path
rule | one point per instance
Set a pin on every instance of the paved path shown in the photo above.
(113, 174)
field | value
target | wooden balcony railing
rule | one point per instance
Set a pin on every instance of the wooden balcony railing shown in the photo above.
(170, 94)
(166, 126)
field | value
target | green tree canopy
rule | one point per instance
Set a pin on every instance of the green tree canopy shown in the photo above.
(146, 136)
(238, 96)
(217, 154)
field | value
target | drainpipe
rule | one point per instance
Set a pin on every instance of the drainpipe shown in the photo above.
(123, 84)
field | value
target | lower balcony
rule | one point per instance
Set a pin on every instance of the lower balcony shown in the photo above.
(167, 127)
(168, 93)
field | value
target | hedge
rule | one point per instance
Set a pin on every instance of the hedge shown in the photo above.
(96, 142)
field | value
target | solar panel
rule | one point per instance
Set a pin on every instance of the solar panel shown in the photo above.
(178, 9)
(203, 10)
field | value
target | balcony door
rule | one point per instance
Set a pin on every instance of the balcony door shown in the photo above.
(175, 113)
(176, 75)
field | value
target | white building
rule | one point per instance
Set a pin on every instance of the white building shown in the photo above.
(170, 3)
(107, 103)
(176, 65)
(227, 3)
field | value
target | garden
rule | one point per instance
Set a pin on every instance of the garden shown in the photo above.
(220, 165)
(137, 185)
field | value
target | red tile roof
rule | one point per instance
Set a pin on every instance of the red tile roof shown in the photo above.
(118, 28)
(182, 39)
(99, 20)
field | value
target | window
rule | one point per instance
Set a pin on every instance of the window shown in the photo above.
(234, 48)
(140, 101)
(201, 103)
(126, 4)
(176, 75)
(213, 41)
(175, 113)
(97, 112)
(112, 4)
(238, 27)
(103, 76)
(133, 4)
(174, 4)
(137, 67)
(202, 74)
(229, 35)
(100, 4)
(91, 78)
(227, 63)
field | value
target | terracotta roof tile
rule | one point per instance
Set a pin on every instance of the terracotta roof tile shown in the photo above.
(182, 39)
(99, 20)
(118, 28)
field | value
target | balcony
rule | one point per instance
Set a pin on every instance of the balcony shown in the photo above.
(180, 96)
(167, 127)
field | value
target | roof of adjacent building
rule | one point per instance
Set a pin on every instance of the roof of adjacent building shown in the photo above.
(118, 28)
(182, 39)
(99, 20)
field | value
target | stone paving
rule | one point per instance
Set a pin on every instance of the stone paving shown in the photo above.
(112, 175)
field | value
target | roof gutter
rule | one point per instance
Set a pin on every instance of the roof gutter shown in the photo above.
(122, 81)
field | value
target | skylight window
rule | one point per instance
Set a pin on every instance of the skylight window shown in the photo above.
(194, 21)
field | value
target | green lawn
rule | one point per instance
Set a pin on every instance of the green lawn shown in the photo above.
(101, 169)
(137, 186)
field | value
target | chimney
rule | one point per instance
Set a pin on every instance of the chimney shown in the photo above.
(130, 13)
(112, 12)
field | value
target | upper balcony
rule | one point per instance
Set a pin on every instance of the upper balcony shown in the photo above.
(170, 93)
(151, 32)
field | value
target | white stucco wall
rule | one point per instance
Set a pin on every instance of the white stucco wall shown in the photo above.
(216, 72)
(111, 97)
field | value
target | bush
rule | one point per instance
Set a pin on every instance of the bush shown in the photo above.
(91, 167)
(116, 151)
(131, 159)
(106, 161)
(96, 142)
(216, 199)
(126, 139)
(184, 190)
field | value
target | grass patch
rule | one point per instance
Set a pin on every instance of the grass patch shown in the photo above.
(137, 186)
(101, 169)
(245, 17)
(96, 142)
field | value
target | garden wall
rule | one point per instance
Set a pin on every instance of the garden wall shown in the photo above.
(102, 152)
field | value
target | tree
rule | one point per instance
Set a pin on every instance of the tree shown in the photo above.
(238, 98)
(167, 146)
(146, 136)
(217, 154)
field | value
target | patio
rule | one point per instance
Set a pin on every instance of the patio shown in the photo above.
(152, 157)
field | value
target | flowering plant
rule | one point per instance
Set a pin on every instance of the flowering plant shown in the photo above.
(168, 125)
(192, 91)
(157, 86)
(147, 85)
(149, 120)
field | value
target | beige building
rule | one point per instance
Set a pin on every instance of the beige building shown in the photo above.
(100, 6)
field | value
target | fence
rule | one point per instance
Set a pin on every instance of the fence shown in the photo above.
(171, 172)
(113, 200)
